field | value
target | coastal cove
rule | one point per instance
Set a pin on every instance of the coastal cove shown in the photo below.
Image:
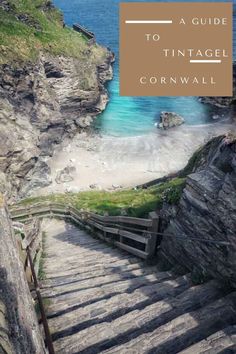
(129, 116)
(93, 162)
(117, 214)
(125, 148)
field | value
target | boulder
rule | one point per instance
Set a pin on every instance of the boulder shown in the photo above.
(38, 177)
(66, 175)
(116, 186)
(84, 122)
(169, 120)
(95, 186)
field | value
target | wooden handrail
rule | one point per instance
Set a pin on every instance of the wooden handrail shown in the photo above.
(116, 219)
(30, 233)
(122, 219)
(110, 228)
(48, 337)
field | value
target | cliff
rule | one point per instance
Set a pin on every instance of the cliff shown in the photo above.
(19, 329)
(207, 210)
(51, 86)
(222, 102)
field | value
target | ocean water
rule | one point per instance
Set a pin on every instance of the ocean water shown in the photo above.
(130, 116)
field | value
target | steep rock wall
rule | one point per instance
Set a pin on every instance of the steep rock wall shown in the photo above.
(207, 210)
(19, 330)
(52, 85)
(39, 106)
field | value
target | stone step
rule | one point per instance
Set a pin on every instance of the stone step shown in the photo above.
(183, 331)
(75, 253)
(140, 322)
(93, 294)
(51, 264)
(103, 300)
(76, 249)
(223, 341)
(116, 306)
(94, 247)
(99, 281)
(85, 273)
(70, 268)
(88, 269)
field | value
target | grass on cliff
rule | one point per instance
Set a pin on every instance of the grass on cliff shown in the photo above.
(133, 202)
(20, 41)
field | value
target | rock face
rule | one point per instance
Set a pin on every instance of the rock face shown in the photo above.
(169, 120)
(207, 210)
(19, 330)
(223, 101)
(66, 175)
(220, 102)
(41, 104)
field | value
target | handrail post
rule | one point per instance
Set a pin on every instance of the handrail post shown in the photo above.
(152, 242)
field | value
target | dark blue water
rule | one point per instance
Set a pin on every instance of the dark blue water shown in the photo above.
(126, 116)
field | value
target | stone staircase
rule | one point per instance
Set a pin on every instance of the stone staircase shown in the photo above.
(103, 300)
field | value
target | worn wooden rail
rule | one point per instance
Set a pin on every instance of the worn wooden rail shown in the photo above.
(141, 241)
(78, 28)
(31, 240)
(30, 249)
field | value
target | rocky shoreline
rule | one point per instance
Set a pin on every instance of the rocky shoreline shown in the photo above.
(93, 162)
(222, 102)
(45, 102)
(41, 104)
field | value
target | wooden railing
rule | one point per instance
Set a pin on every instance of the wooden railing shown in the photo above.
(30, 248)
(31, 240)
(78, 28)
(135, 235)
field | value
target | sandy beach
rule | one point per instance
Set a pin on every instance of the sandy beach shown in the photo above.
(105, 162)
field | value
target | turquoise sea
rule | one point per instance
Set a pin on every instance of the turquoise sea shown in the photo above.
(130, 116)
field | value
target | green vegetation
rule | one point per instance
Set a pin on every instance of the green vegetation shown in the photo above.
(32, 26)
(133, 202)
(193, 162)
(198, 158)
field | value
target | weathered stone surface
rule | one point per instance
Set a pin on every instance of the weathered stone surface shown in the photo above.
(28, 20)
(207, 210)
(5, 341)
(223, 341)
(38, 177)
(222, 101)
(84, 122)
(40, 105)
(182, 331)
(121, 303)
(6, 6)
(102, 300)
(19, 330)
(66, 175)
(169, 120)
